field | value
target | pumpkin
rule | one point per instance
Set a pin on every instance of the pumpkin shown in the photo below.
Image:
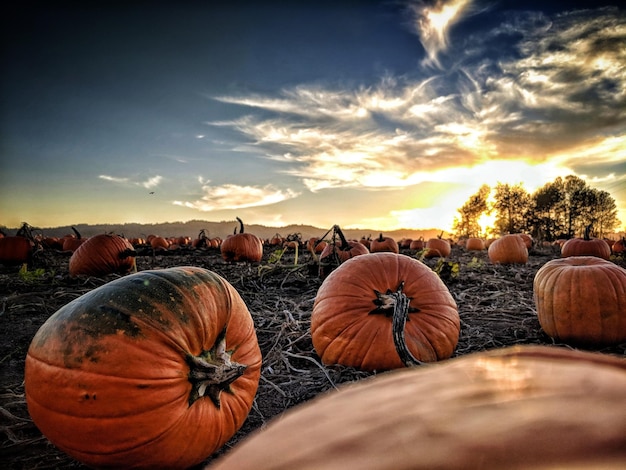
(159, 243)
(474, 244)
(242, 246)
(383, 311)
(418, 244)
(508, 249)
(367, 241)
(101, 255)
(437, 247)
(586, 246)
(384, 244)
(524, 407)
(582, 300)
(528, 240)
(619, 246)
(157, 369)
(316, 245)
(15, 250)
(338, 251)
(72, 241)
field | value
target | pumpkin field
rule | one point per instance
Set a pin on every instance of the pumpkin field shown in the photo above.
(495, 306)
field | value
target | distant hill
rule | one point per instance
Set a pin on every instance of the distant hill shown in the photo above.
(219, 229)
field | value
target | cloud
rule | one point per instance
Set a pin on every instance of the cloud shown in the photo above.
(150, 183)
(432, 24)
(556, 92)
(232, 196)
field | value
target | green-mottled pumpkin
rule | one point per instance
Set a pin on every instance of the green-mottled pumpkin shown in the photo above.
(157, 369)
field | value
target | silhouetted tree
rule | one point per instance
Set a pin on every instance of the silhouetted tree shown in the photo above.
(466, 225)
(512, 204)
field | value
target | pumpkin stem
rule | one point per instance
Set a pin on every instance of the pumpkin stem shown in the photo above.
(397, 305)
(212, 372)
(344, 242)
(588, 232)
(77, 233)
(240, 224)
(381, 238)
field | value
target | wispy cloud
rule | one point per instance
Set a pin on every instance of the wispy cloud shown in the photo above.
(560, 89)
(150, 183)
(232, 196)
(432, 24)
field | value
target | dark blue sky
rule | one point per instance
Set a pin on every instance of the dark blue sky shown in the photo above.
(271, 109)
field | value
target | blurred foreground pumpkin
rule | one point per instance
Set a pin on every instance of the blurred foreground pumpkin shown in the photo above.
(153, 370)
(525, 407)
(382, 311)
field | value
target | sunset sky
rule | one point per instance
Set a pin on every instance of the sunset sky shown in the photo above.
(366, 114)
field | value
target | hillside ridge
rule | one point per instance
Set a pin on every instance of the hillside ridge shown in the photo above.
(220, 229)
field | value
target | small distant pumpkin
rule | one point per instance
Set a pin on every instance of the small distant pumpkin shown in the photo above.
(157, 369)
(337, 251)
(242, 246)
(384, 244)
(417, 244)
(18, 249)
(582, 300)
(101, 255)
(474, 244)
(619, 246)
(72, 241)
(384, 311)
(586, 246)
(437, 247)
(508, 249)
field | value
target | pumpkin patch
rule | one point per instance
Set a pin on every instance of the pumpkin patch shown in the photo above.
(494, 302)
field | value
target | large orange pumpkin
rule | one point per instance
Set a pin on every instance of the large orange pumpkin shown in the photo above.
(508, 249)
(586, 246)
(157, 369)
(582, 299)
(525, 407)
(383, 311)
(103, 254)
(242, 246)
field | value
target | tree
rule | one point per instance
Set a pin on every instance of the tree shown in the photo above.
(466, 225)
(546, 205)
(512, 203)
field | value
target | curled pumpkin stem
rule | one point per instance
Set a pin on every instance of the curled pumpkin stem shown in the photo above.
(397, 305)
(212, 372)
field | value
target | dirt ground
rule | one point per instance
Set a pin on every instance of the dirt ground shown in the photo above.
(495, 305)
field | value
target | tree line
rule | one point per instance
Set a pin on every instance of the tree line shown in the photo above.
(560, 209)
